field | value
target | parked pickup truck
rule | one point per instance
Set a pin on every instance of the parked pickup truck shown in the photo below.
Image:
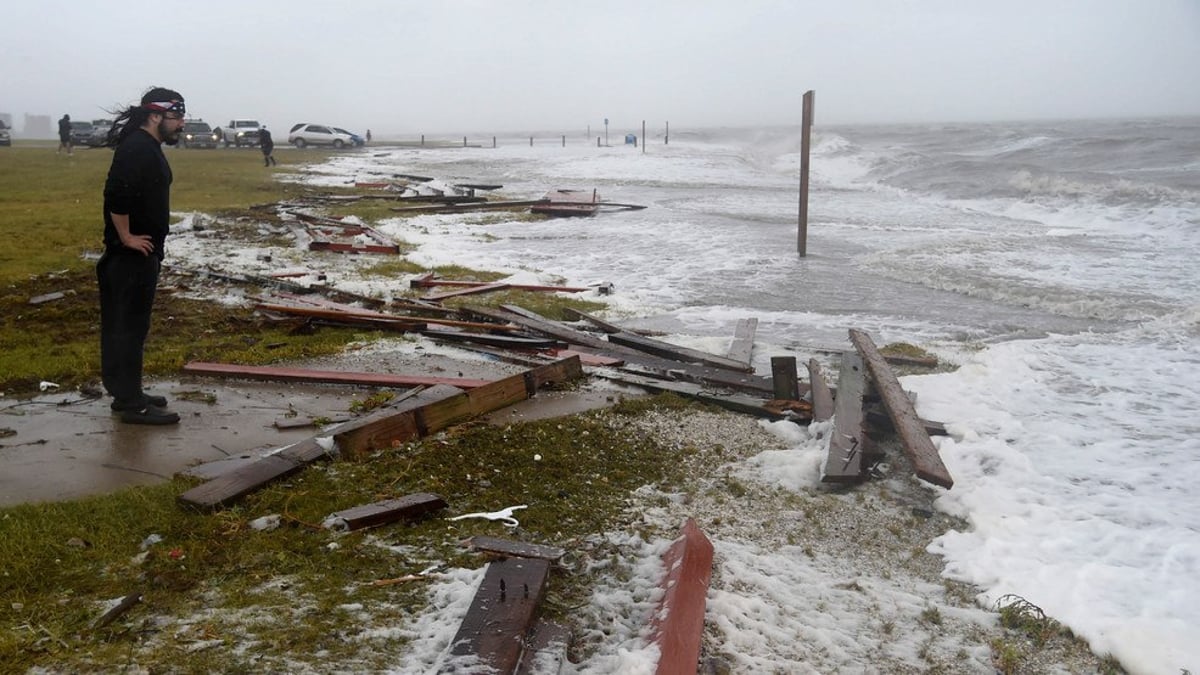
(241, 132)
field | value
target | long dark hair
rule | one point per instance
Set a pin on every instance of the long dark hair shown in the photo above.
(132, 118)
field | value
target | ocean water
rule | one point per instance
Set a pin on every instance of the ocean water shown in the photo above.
(1054, 262)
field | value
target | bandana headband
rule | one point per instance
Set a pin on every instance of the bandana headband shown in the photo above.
(165, 106)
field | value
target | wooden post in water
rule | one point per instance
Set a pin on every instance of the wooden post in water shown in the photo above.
(667, 136)
(643, 137)
(493, 141)
(464, 141)
(805, 136)
(422, 140)
(564, 140)
(784, 381)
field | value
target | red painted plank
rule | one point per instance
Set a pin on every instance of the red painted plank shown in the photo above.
(678, 625)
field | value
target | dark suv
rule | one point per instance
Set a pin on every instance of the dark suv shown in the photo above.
(198, 134)
(81, 133)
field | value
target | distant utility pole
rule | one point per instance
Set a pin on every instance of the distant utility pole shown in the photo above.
(606, 131)
(805, 135)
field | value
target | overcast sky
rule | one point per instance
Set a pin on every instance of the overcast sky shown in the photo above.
(475, 66)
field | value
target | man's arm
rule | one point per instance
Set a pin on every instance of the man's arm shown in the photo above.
(138, 242)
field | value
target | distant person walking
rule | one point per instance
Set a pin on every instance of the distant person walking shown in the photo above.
(137, 212)
(64, 135)
(368, 135)
(267, 145)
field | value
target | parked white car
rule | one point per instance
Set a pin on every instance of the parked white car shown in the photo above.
(304, 134)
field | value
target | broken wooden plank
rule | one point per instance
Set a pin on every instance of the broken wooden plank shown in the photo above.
(333, 310)
(506, 341)
(589, 359)
(784, 378)
(595, 321)
(678, 353)
(377, 319)
(742, 347)
(584, 342)
(546, 650)
(318, 244)
(492, 635)
(878, 418)
(465, 290)
(844, 463)
(47, 297)
(397, 424)
(127, 603)
(917, 445)
(239, 482)
(408, 507)
(728, 400)
(430, 280)
(822, 398)
(678, 624)
(520, 549)
(469, 207)
(282, 374)
(448, 407)
(892, 358)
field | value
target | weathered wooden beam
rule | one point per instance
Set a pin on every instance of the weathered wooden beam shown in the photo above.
(281, 374)
(742, 347)
(520, 549)
(546, 650)
(844, 463)
(741, 403)
(822, 398)
(678, 353)
(408, 507)
(582, 341)
(506, 341)
(465, 290)
(595, 321)
(378, 319)
(878, 418)
(492, 635)
(390, 426)
(785, 381)
(917, 445)
(239, 482)
(678, 625)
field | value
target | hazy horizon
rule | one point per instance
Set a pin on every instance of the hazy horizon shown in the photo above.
(471, 66)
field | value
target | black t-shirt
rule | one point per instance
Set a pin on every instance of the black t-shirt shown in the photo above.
(64, 129)
(139, 184)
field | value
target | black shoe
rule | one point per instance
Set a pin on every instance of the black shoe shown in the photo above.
(147, 399)
(149, 415)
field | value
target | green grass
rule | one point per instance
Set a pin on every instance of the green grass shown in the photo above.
(52, 207)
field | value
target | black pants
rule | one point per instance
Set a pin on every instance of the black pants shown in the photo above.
(268, 159)
(128, 281)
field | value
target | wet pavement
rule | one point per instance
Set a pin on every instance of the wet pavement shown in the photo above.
(61, 445)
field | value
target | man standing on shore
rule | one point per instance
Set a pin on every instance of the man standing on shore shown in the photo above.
(64, 134)
(267, 145)
(137, 197)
